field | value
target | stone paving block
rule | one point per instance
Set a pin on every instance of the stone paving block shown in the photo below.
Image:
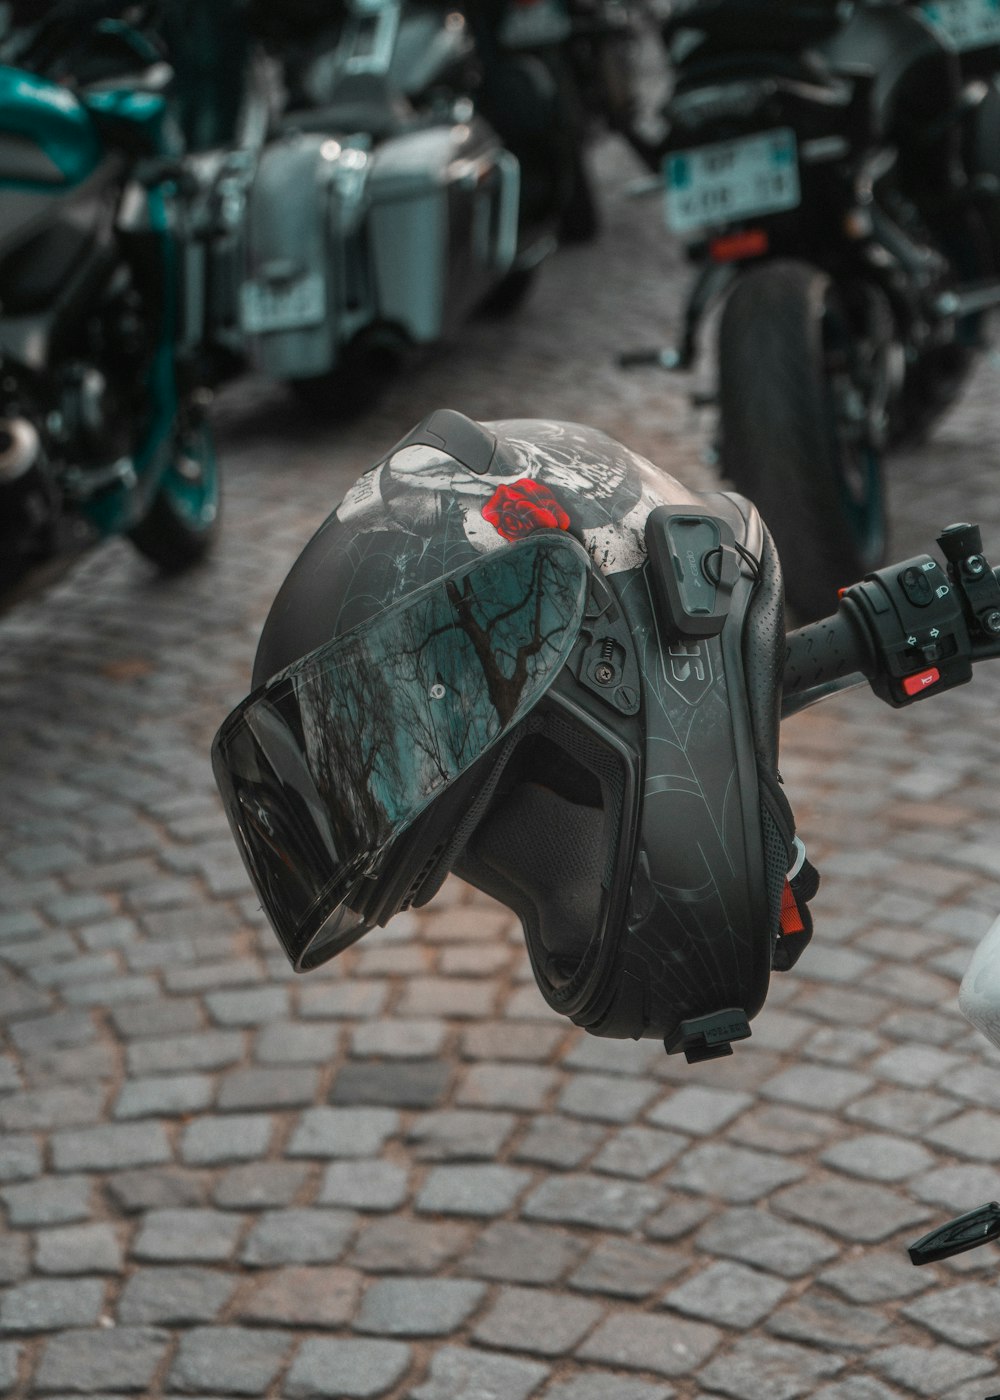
(877, 1276)
(175, 1054)
(309, 1296)
(298, 1236)
(343, 1132)
(878, 1156)
(254, 1185)
(581, 1199)
(728, 1294)
(779, 1128)
(400, 1038)
(602, 1385)
(968, 1316)
(523, 1087)
(607, 1098)
(460, 1373)
(287, 1086)
(517, 1253)
(953, 1188)
(214, 1138)
(395, 1245)
(48, 1201)
(173, 1297)
(559, 1142)
(626, 1268)
(755, 1367)
(974, 1134)
(908, 1112)
(20, 1157)
(510, 1040)
(166, 1095)
(401, 1083)
(637, 1341)
(758, 1237)
(857, 1388)
(44, 1109)
(364, 1184)
(734, 1174)
(853, 1210)
(248, 1006)
(155, 1188)
(181, 1236)
(336, 1000)
(817, 1086)
(461, 998)
(110, 1145)
(47, 1305)
(977, 1083)
(345, 1368)
(19, 998)
(539, 1321)
(677, 1219)
(920, 1066)
(228, 1360)
(639, 1152)
(15, 1257)
(842, 1045)
(291, 1042)
(477, 1190)
(465, 1133)
(94, 1248)
(157, 1018)
(930, 1371)
(825, 1321)
(69, 1027)
(120, 1360)
(699, 1109)
(418, 1307)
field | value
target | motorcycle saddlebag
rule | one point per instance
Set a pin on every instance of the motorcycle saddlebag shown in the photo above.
(305, 292)
(442, 224)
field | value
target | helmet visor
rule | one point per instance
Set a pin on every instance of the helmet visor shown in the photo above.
(324, 766)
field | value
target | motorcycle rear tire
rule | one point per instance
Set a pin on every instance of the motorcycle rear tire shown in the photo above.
(782, 444)
(182, 523)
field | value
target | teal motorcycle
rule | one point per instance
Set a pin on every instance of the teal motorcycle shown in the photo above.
(102, 417)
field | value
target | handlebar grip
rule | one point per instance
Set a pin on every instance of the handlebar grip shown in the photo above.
(825, 651)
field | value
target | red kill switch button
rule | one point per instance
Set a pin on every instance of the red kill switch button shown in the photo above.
(914, 684)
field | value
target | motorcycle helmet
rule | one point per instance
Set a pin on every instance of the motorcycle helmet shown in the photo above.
(520, 652)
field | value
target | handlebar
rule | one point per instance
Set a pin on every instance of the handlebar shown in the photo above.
(911, 629)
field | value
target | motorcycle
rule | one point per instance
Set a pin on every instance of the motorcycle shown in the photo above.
(103, 429)
(819, 187)
(383, 210)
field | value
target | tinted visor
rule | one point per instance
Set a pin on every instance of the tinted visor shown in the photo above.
(323, 767)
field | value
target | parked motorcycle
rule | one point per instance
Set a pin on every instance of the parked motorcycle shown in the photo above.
(102, 419)
(387, 208)
(816, 174)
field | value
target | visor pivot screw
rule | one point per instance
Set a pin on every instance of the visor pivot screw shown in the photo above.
(437, 691)
(992, 621)
(604, 673)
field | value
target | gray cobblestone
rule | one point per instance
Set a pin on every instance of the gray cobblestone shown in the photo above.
(346, 1368)
(343, 999)
(230, 1360)
(94, 1248)
(508, 1040)
(829, 1322)
(625, 1268)
(559, 1142)
(541, 1322)
(877, 1277)
(172, 1297)
(760, 1238)
(954, 1187)
(119, 1360)
(254, 1185)
(906, 1112)
(608, 1098)
(401, 1083)
(182, 1236)
(155, 1188)
(465, 1133)
(517, 1253)
(667, 1346)
(20, 1157)
(816, 1086)
(14, 1257)
(929, 1371)
(45, 1305)
(734, 1174)
(284, 1087)
(699, 1109)
(362, 1184)
(477, 1190)
(755, 1367)
(164, 1095)
(639, 1152)
(459, 1373)
(420, 1307)
(399, 1245)
(399, 1038)
(878, 1157)
(728, 1294)
(852, 1209)
(235, 1137)
(343, 1132)
(162, 1016)
(678, 1219)
(968, 1315)
(59, 1029)
(303, 1296)
(580, 1199)
(506, 1086)
(48, 1201)
(176, 1054)
(110, 1145)
(43, 1109)
(289, 1042)
(299, 1236)
(973, 1134)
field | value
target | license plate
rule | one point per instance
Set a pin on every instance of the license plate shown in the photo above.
(969, 24)
(732, 180)
(288, 307)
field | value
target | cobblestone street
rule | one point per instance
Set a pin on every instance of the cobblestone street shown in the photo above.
(402, 1175)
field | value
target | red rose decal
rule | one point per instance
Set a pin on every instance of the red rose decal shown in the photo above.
(525, 506)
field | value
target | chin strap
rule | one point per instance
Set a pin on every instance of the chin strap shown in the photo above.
(796, 925)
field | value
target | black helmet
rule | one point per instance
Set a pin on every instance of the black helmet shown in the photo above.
(522, 653)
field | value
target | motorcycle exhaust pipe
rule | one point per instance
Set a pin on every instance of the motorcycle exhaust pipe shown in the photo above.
(20, 449)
